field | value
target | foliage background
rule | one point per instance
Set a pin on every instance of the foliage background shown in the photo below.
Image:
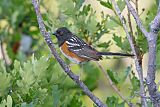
(29, 76)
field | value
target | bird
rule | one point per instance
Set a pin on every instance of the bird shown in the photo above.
(77, 50)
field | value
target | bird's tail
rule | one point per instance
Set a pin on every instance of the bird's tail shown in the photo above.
(114, 54)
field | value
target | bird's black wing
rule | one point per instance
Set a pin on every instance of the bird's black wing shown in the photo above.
(82, 49)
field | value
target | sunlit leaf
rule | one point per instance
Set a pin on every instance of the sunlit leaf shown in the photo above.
(9, 101)
(106, 4)
(121, 4)
(118, 40)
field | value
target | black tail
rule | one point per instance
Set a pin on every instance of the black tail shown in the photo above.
(114, 54)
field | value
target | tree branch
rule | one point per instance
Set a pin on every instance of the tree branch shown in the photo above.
(136, 4)
(130, 23)
(60, 61)
(136, 58)
(113, 86)
(137, 19)
(152, 40)
(152, 43)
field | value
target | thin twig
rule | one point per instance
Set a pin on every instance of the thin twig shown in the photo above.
(137, 19)
(137, 49)
(137, 64)
(113, 85)
(136, 3)
(133, 2)
(130, 23)
(60, 61)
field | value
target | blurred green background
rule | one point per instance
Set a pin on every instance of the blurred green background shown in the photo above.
(31, 77)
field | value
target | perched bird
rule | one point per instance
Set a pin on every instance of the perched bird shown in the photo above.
(78, 51)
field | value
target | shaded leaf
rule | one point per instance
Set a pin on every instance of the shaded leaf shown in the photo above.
(56, 95)
(91, 81)
(123, 76)
(114, 102)
(104, 44)
(76, 101)
(113, 76)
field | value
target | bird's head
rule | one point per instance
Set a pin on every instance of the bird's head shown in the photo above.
(62, 34)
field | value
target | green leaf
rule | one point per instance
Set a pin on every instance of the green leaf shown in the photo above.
(121, 4)
(91, 81)
(79, 3)
(141, 41)
(104, 44)
(113, 76)
(114, 102)
(85, 10)
(106, 4)
(9, 101)
(122, 42)
(123, 76)
(76, 101)
(5, 80)
(92, 26)
(29, 75)
(112, 22)
(118, 40)
(56, 95)
(3, 103)
(121, 104)
(135, 83)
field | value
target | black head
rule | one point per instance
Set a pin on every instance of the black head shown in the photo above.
(62, 34)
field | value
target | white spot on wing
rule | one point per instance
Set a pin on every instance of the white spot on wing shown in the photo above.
(74, 38)
(73, 44)
(77, 50)
(71, 40)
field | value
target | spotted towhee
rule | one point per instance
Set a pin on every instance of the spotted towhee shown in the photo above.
(76, 49)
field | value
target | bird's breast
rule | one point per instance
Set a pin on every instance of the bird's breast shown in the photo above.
(70, 55)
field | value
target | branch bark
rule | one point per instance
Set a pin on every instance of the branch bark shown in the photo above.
(152, 43)
(152, 40)
(60, 61)
(137, 19)
(136, 58)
